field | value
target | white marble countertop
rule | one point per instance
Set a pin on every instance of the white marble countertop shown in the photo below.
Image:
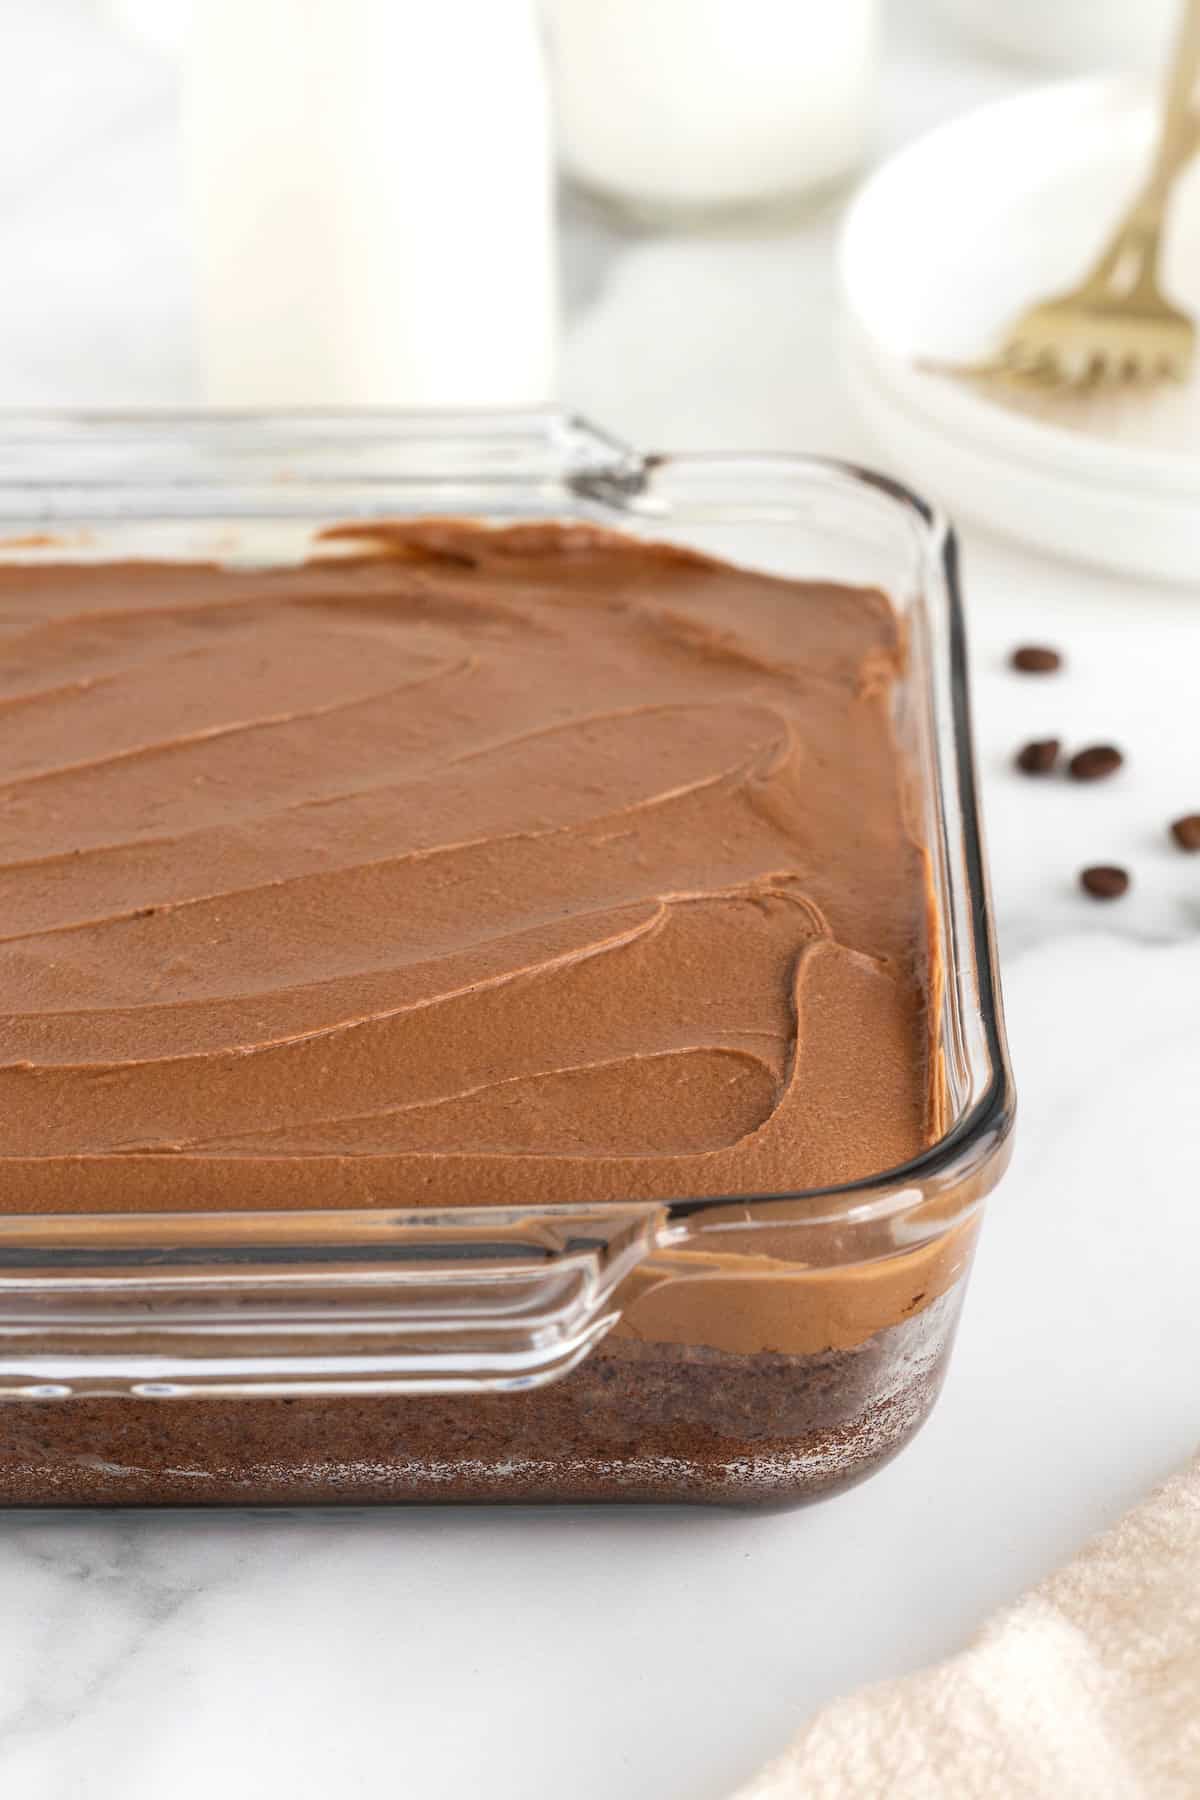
(660, 1655)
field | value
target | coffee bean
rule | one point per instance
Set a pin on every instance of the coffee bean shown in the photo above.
(1105, 881)
(1186, 831)
(1036, 659)
(1038, 757)
(1096, 762)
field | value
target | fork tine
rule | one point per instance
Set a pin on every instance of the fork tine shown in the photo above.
(1040, 375)
(1047, 370)
(1032, 361)
(1091, 370)
(1063, 348)
(1077, 366)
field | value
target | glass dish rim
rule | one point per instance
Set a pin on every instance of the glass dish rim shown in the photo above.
(610, 474)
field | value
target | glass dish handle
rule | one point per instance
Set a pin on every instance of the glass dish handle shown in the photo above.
(370, 1303)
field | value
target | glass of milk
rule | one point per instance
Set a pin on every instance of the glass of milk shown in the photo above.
(372, 202)
(679, 110)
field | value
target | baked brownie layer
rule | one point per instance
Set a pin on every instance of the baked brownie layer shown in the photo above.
(633, 1422)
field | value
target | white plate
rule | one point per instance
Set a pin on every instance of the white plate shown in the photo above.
(944, 246)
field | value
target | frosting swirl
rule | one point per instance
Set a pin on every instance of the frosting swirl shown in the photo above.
(464, 866)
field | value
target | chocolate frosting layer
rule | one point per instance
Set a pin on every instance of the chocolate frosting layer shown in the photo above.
(463, 866)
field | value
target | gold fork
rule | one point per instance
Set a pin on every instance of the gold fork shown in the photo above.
(1117, 325)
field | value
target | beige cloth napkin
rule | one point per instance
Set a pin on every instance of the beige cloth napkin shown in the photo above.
(1087, 1689)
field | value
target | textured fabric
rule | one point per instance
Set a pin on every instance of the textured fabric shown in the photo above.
(1089, 1687)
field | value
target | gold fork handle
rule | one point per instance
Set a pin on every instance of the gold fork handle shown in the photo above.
(1130, 258)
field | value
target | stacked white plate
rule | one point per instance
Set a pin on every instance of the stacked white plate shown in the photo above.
(944, 247)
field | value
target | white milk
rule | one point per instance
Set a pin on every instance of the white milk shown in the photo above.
(372, 184)
(689, 106)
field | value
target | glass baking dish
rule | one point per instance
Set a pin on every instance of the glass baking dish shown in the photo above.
(732, 1348)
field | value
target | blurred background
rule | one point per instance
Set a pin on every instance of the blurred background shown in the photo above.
(628, 203)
